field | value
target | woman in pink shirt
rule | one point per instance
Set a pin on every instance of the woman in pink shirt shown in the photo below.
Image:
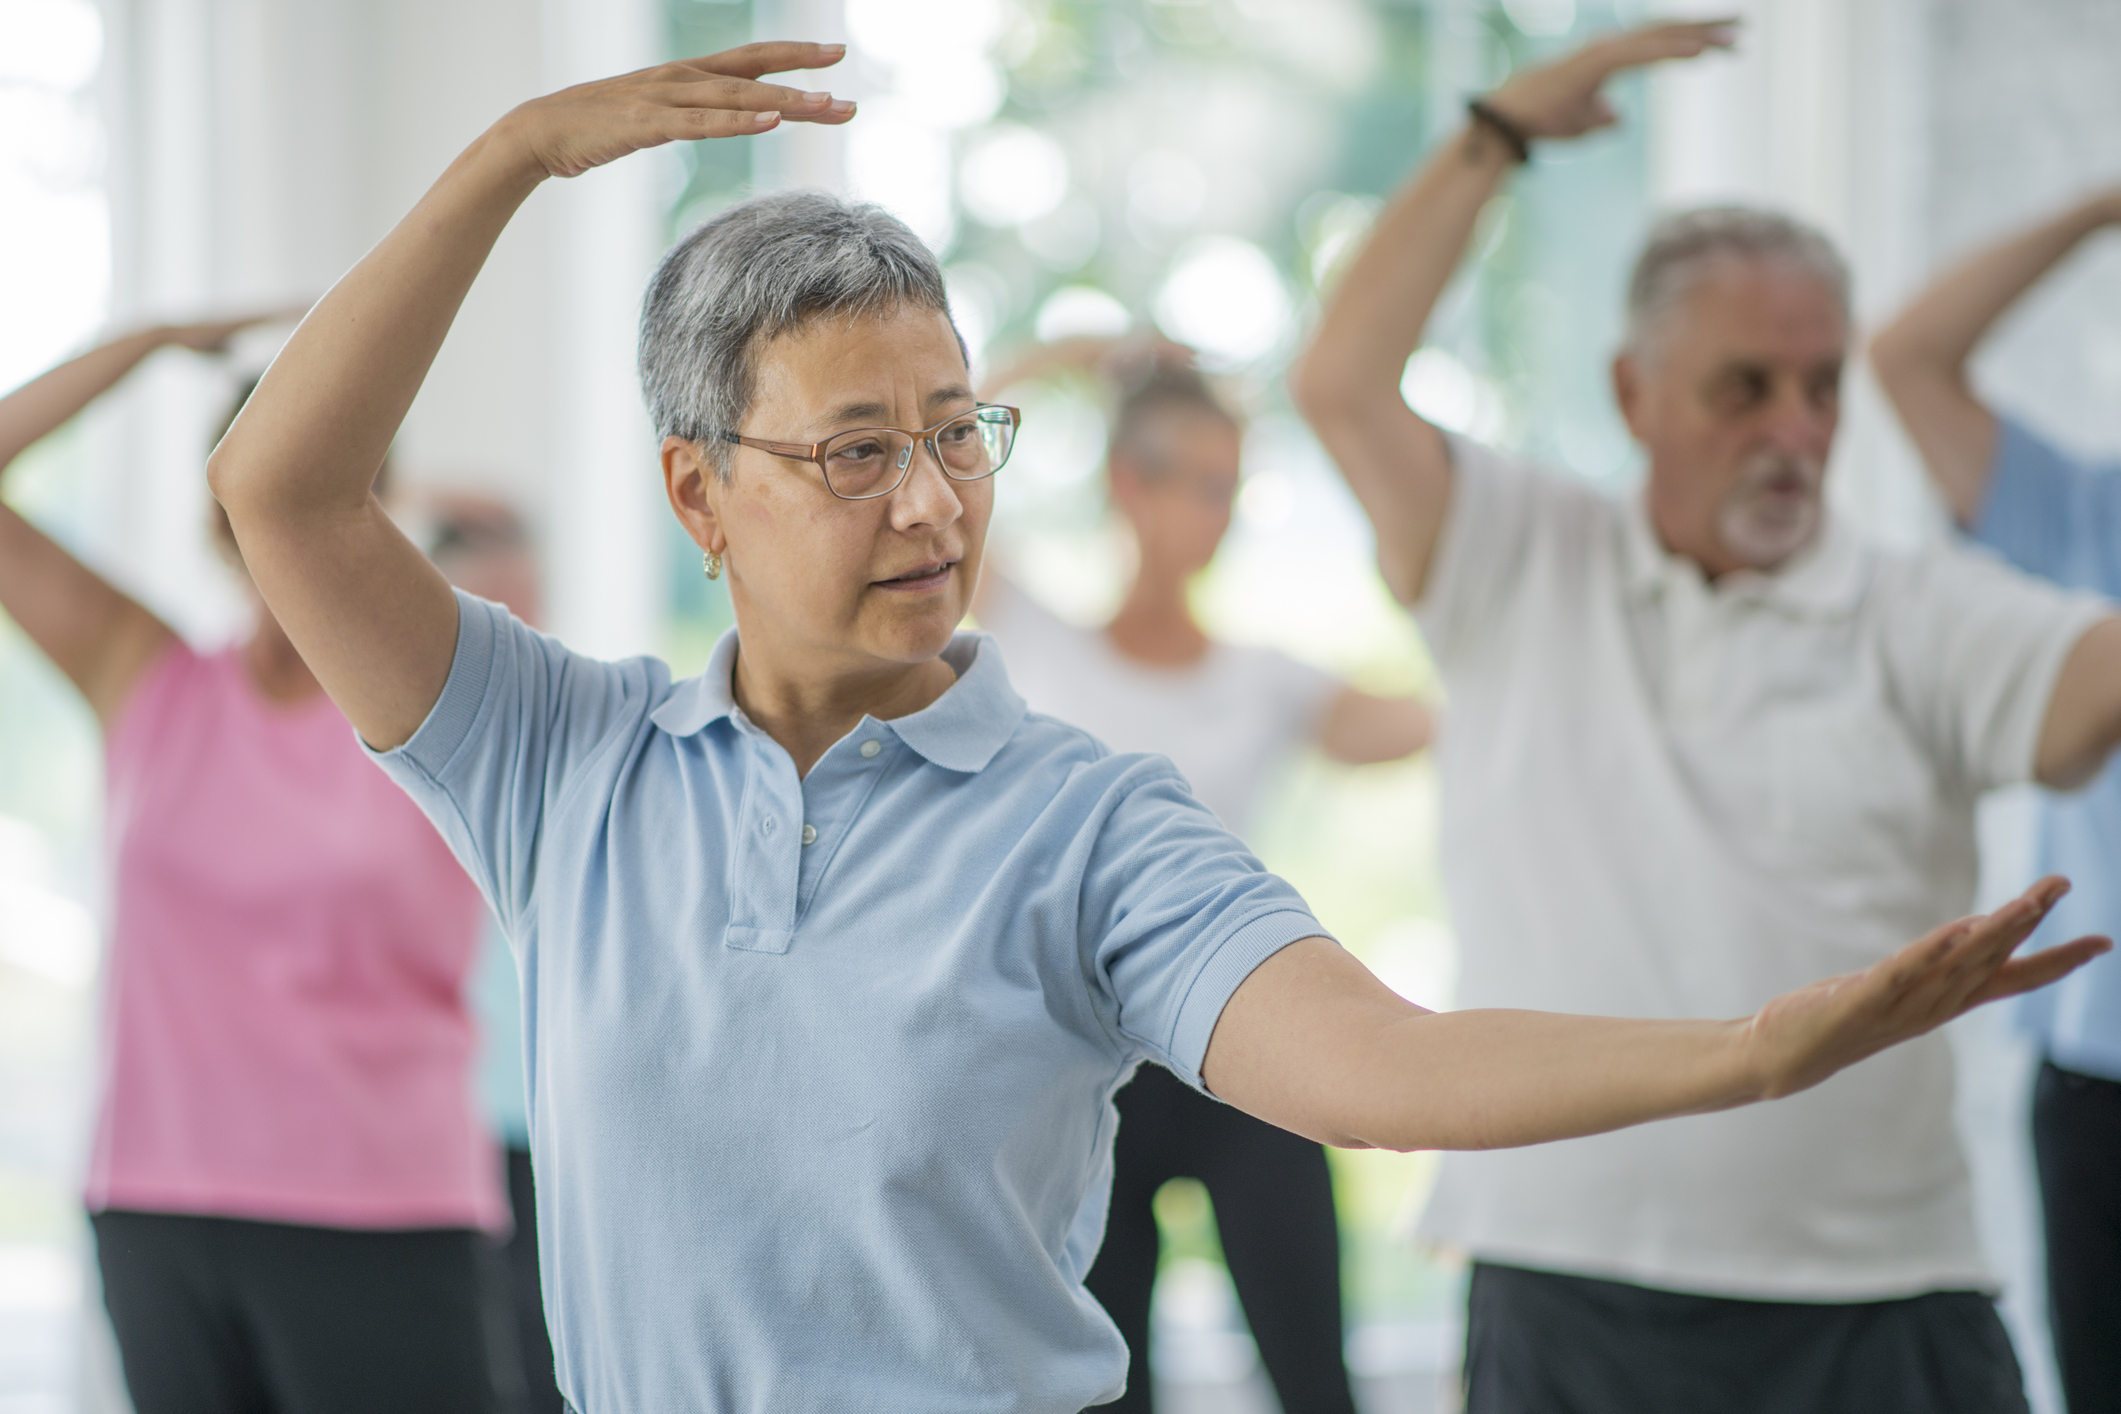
(288, 1183)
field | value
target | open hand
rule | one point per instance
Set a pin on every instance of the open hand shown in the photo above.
(1563, 98)
(1802, 1037)
(569, 132)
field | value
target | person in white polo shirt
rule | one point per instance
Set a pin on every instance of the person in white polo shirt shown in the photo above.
(1704, 740)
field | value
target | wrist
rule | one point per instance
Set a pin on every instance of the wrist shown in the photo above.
(1753, 1070)
(1514, 136)
(506, 156)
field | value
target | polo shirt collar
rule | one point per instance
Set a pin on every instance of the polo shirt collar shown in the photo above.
(1824, 580)
(960, 731)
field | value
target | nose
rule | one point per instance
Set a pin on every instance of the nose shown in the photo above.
(1797, 423)
(926, 497)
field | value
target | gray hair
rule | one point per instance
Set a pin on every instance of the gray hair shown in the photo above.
(752, 272)
(1683, 248)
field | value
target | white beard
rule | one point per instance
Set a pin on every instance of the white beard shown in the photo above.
(1765, 520)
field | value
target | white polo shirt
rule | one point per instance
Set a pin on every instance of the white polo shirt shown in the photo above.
(1230, 722)
(1666, 798)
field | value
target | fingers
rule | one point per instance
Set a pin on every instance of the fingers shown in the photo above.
(1656, 43)
(724, 92)
(2030, 974)
(749, 61)
(1988, 945)
(791, 104)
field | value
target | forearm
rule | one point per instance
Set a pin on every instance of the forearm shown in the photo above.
(1499, 1079)
(1315, 1043)
(1941, 329)
(1359, 729)
(43, 405)
(1374, 320)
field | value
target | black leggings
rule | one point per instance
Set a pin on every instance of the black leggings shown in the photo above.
(229, 1316)
(2077, 1140)
(1273, 1198)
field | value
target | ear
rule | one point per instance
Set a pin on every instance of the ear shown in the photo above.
(1630, 391)
(695, 494)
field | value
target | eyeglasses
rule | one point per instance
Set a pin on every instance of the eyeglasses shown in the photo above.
(875, 461)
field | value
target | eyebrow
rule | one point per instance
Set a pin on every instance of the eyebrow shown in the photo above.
(872, 412)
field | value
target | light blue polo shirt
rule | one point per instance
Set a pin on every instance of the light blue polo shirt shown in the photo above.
(821, 1069)
(2060, 518)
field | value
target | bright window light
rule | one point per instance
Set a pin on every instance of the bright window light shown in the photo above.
(1074, 310)
(1225, 298)
(1452, 396)
(1013, 175)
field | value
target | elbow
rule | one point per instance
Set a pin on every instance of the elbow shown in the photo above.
(1325, 395)
(1902, 361)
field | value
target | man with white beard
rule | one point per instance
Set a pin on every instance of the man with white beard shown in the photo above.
(1702, 742)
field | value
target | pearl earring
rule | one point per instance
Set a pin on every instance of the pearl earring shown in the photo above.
(712, 563)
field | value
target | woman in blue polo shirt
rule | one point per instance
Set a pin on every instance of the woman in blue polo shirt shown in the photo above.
(834, 956)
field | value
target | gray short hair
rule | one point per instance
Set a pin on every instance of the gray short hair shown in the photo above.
(757, 270)
(1683, 248)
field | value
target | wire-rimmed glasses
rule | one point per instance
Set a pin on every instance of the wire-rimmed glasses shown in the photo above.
(874, 461)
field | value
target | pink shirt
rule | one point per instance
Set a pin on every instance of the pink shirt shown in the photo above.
(286, 1033)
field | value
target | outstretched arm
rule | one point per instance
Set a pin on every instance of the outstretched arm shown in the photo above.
(100, 638)
(1347, 382)
(373, 619)
(1314, 1043)
(1361, 728)
(1920, 358)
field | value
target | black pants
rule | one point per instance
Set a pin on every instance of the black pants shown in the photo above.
(1273, 1198)
(526, 1294)
(228, 1316)
(1544, 1343)
(2077, 1141)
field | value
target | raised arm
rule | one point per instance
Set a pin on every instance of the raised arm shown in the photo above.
(1347, 382)
(100, 638)
(374, 620)
(1920, 358)
(1314, 1043)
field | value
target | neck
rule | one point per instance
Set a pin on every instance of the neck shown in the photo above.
(1155, 624)
(275, 667)
(807, 712)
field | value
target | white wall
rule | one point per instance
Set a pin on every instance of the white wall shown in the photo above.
(260, 146)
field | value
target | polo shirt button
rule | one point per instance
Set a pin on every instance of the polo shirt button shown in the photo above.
(766, 825)
(809, 834)
(870, 748)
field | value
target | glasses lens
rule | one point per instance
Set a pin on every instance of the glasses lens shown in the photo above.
(866, 463)
(977, 444)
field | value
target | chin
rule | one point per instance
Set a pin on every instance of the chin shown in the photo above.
(915, 641)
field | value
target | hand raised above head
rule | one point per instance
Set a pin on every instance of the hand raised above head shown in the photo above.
(1563, 98)
(569, 132)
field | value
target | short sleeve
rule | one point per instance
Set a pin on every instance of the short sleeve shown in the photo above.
(2051, 514)
(1176, 913)
(517, 721)
(1499, 512)
(1975, 649)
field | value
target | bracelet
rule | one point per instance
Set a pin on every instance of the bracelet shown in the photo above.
(1513, 136)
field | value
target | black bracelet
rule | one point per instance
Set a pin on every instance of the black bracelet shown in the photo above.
(1512, 135)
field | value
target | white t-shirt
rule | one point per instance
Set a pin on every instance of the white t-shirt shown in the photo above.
(1228, 722)
(1664, 798)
